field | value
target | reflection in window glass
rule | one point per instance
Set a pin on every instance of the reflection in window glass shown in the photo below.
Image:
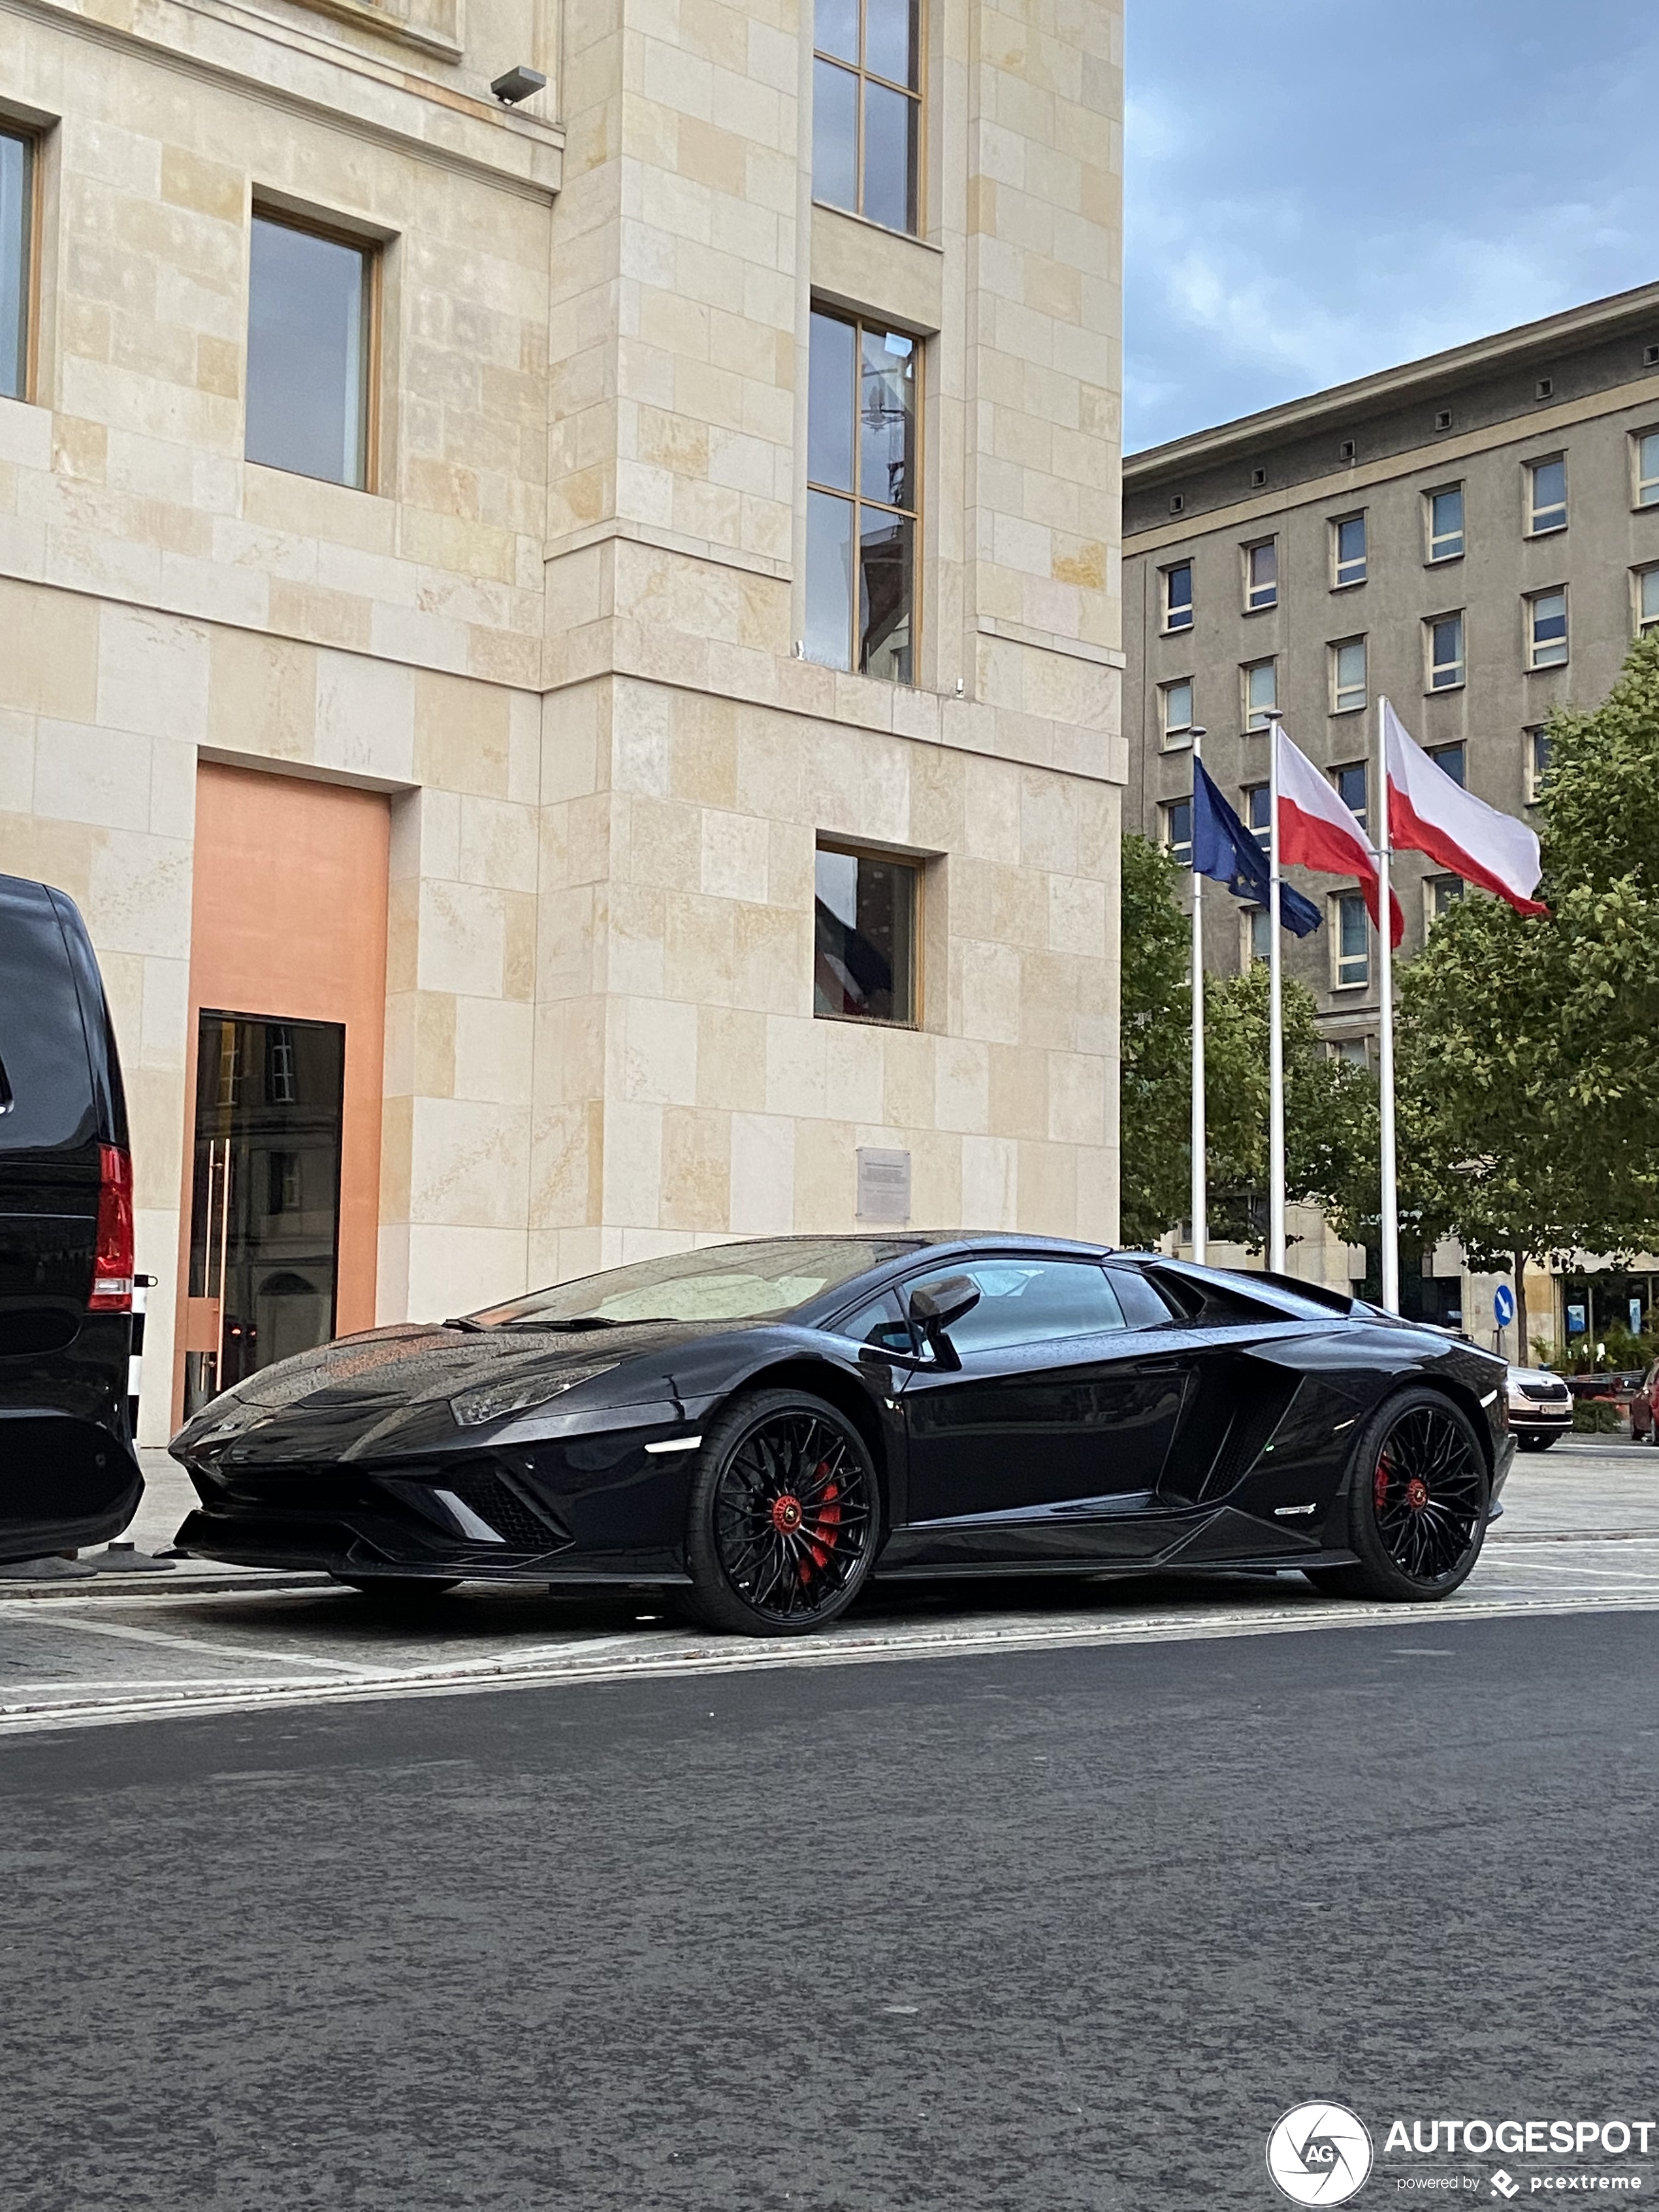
(1258, 808)
(1647, 601)
(1547, 628)
(865, 925)
(1647, 469)
(1445, 637)
(1549, 496)
(1177, 703)
(1348, 676)
(867, 109)
(1030, 1302)
(1450, 759)
(1538, 763)
(307, 387)
(1350, 945)
(15, 167)
(1349, 550)
(1178, 596)
(1446, 524)
(1178, 832)
(1350, 781)
(861, 468)
(721, 1282)
(1259, 923)
(1261, 575)
(1261, 693)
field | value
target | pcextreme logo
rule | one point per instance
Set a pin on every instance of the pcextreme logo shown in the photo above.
(1319, 2153)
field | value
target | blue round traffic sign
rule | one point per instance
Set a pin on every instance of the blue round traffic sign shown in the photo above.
(1503, 1306)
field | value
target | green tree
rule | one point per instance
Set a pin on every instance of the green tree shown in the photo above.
(1330, 1111)
(1527, 1086)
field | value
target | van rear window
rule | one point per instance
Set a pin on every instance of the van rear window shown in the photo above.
(43, 1047)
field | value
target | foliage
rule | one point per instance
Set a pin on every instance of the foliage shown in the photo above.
(1596, 1416)
(1330, 1108)
(1527, 1084)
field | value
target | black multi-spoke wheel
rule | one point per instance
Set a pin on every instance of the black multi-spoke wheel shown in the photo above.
(1418, 1498)
(784, 1516)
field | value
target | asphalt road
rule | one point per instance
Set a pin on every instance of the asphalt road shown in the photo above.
(1051, 1931)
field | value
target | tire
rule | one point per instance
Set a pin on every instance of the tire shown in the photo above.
(1417, 1499)
(400, 1590)
(784, 1517)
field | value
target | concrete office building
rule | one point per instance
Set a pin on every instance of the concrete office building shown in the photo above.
(569, 651)
(1474, 536)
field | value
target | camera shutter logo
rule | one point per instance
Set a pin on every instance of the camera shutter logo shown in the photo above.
(1319, 2153)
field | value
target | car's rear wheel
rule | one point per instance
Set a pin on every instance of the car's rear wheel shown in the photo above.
(783, 1518)
(1419, 1494)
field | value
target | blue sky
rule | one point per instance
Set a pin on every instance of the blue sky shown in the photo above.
(1319, 188)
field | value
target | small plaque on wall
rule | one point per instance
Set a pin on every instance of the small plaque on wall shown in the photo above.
(883, 1185)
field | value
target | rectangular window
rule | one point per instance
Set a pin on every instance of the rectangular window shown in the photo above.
(1647, 468)
(1356, 1051)
(1178, 596)
(309, 319)
(1351, 783)
(1443, 636)
(1255, 942)
(865, 934)
(1348, 676)
(1175, 709)
(1646, 594)
(1351, 949)
(1260, 692)
(1440, 892)
(1546, 496)
(1444, 516)
(1348, 551)
(862, 500)
(1258, 808)
(16, 225)
(1538, 762)
(1450, 760)
(1260, 575)
(867, 108)
(1178, 830)
(1546, 629)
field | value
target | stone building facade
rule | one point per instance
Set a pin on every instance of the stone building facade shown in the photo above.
(418, 638)
(1474, 536)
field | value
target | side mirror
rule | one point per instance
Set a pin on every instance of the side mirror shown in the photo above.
(933, 1312)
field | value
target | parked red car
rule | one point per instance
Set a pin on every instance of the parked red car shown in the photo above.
(1643, 1427)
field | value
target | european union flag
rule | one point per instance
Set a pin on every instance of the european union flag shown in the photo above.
(1225, 850)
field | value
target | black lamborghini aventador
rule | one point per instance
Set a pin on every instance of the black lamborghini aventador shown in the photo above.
(762, 1426)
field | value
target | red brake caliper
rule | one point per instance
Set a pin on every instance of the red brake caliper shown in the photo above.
(1380, 1484)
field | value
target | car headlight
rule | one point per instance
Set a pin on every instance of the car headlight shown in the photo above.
(493, 1402)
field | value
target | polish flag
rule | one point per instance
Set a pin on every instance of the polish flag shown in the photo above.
(1429, 813)
(1317, 831)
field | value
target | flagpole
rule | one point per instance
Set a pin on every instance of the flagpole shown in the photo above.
(1200, 1200)
(1390, 1194)
(1275, 1025)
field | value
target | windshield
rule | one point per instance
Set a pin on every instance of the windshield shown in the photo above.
(722, 1282)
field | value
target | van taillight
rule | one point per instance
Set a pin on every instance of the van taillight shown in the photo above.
(112, 1265)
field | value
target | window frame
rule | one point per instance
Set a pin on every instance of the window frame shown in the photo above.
(1434, 906)
(916, 865)
(1642, 626)
(28, 274)
(1538, 739)
(1166, 837)
(1246, 669)
(1339, 903)
(1250, 919)
(855, 497)
(1263, 830)
(1168, 627)
(1456, 745)
(1339, 522)
(372, 252)
(916, 93)
(1533, 601)
(1341, 768)
(1174, 737)
(1639, 482)
(1252, 604)
(1338, 646)
(1460, 616)
(1533, 527)
(1430, 558)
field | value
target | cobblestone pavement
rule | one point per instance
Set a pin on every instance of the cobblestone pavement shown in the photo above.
(1580, 1534)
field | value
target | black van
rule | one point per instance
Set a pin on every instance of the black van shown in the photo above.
(68, 1474)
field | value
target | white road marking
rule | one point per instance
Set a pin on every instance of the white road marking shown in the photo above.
(198, 1645)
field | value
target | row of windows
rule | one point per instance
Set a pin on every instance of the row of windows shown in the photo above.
(313, 301)
(1544, 513)
(1544, 636)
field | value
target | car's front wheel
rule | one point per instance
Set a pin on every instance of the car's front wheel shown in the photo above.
(783, 1519)
(1419, 1496)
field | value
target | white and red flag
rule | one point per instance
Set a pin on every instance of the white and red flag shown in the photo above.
(1317, 831)
(1429, 813)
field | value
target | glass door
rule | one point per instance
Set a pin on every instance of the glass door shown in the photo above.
(265, 1197)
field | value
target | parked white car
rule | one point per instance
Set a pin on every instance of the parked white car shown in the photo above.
(1540, 1407)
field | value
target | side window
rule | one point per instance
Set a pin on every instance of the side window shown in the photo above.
(43, 1045)
(1030, 1302)
(1143, 1307)
(881, 1323)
